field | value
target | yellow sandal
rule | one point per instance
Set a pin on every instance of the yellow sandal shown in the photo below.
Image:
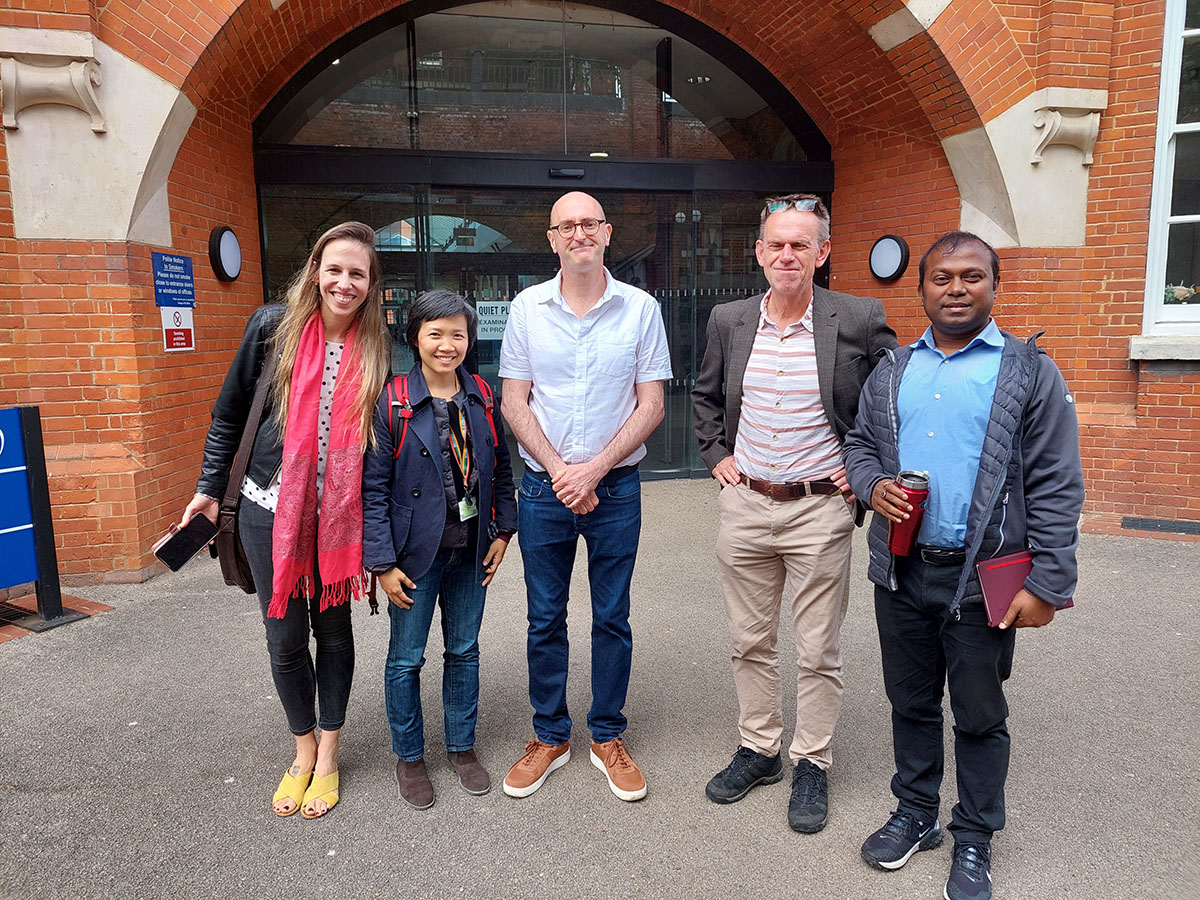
(294, 788)
(323, 787)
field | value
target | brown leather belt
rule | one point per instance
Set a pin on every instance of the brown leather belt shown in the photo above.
(793, 491)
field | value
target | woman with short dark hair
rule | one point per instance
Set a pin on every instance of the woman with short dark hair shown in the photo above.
(439, 508)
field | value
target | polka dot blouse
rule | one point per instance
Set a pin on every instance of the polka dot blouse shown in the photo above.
(268, 497)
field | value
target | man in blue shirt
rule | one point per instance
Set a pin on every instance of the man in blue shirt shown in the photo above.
(991, 420)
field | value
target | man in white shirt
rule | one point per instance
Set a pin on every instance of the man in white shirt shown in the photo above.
(583, 361)
(777, 392)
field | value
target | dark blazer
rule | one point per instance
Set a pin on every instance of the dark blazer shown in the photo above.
(232, 409)
(404, 500)
(850, 334)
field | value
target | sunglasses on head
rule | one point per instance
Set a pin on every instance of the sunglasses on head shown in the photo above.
(807, 204)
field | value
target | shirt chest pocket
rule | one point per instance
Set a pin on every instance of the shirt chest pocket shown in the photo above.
(616, 356)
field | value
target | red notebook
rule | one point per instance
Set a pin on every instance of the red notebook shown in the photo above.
(1000, 578)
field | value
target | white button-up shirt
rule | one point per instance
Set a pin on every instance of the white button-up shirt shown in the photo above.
(584, 370)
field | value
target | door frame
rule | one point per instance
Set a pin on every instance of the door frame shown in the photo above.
(295, 164)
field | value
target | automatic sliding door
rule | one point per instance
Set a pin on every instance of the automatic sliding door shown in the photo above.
(690, 251)
(490, 243)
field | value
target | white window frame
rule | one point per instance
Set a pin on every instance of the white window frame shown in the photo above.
(1162, 318)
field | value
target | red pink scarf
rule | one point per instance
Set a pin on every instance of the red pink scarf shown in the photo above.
(335, 535)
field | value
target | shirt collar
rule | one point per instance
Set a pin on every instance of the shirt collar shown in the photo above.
(805, 320)
(990, 336)
(555, 296)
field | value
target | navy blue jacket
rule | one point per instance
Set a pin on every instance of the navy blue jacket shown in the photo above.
(404, 500)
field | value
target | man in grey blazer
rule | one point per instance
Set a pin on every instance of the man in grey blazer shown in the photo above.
(777, 392)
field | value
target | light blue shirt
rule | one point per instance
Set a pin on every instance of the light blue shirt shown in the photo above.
(944, 404)
(584, 372)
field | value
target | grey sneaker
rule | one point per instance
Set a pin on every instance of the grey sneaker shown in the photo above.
(901, 836)
(808, 810)
(970, 878)
(746, 770)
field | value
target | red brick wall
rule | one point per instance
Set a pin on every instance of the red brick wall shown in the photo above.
(124, 420)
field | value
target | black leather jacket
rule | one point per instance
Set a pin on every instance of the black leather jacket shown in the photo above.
(233, 408)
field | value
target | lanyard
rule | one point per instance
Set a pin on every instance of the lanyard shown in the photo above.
(460, 451)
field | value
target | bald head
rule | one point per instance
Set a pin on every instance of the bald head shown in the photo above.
(575, 205)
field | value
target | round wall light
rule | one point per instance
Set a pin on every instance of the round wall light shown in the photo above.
(889, 257)
(225, 253)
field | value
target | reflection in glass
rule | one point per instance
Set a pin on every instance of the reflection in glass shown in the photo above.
(1183, 263)
(1185, 187)
(534, 76)
(1189, 82)
(1191, 18)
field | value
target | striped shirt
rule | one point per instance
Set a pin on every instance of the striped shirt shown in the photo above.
(784, 435)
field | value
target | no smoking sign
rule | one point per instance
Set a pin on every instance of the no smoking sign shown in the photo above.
(178, 332)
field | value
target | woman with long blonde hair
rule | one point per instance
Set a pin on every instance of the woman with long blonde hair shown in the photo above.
(300, 517)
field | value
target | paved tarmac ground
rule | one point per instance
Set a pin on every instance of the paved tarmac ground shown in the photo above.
(139, 750)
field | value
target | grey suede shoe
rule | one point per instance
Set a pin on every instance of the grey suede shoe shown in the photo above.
(471, 774)
(415, 787)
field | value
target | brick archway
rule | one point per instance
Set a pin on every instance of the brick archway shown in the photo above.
(920, 102)
(932, 71)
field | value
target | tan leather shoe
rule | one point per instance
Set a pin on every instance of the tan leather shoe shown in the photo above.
(528, 773)
(624, 777)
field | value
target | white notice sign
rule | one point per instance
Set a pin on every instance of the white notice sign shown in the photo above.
(493, 316)
(178, 333)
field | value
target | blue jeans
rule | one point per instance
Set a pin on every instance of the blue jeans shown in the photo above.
(923, 652)
(453, 584)
(549, 533)
(299, 683)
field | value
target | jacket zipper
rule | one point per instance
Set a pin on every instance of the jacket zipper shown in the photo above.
(894, 421)
(1000, 487)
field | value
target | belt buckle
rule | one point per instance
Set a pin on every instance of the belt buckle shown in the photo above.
(942, 556)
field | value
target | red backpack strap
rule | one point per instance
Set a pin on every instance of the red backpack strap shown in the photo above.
(397, 390)
(488, 402)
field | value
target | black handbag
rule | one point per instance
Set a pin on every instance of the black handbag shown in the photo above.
(235, 568)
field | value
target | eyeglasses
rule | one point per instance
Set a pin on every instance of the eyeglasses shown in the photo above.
(807, 204)
(589, 226)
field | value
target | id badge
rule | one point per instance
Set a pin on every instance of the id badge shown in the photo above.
(467, 509)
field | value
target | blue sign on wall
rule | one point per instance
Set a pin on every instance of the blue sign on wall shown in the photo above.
(173, 282)
(16, 515)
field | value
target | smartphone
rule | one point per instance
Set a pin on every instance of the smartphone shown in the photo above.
(179, 545)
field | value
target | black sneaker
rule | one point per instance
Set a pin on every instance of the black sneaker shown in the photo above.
(808, 810)
(969, 876)
(747, 769)
(904, 834)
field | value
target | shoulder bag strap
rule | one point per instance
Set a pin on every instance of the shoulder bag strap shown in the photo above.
(489, 402)
(238, 473)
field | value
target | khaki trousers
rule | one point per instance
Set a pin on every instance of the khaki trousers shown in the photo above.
(765, 547)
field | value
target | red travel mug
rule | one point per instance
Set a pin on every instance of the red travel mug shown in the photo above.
(902, 536)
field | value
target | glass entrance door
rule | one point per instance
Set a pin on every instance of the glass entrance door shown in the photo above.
(689, 249)
(507, 251)
(711, 246)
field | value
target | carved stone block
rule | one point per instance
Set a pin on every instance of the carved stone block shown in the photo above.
(1076, 128)
(70, 84)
